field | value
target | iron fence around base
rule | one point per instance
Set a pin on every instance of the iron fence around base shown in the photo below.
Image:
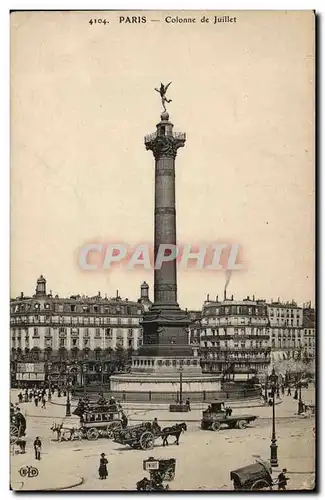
(171, 397)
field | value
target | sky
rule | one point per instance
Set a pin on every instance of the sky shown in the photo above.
(82, 100)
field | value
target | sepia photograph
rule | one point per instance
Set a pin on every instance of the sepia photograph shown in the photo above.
(162, 251)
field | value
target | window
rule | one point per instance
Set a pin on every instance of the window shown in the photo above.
(35, 332)
(62, 343)
(74, 342)
(108, 332)
(97, 332)
(130, 342)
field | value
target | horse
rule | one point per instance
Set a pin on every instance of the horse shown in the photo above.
(175, 430)
(66, 434)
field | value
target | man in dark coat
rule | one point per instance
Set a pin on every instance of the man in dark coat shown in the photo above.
(282, 480)
(37, 448)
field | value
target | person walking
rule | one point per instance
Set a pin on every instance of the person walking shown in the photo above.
(36, 399)
(37, 448)
(43, 402)
(188, 404)
(289, 391)
(102, 471)
(282, 480)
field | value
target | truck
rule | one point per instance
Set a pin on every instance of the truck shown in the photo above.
(218, 415)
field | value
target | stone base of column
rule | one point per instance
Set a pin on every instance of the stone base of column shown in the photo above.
(166, 332)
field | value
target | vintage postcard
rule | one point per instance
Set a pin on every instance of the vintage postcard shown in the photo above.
(162, 308)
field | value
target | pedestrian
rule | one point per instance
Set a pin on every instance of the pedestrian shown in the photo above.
(103, 467)
(296, 394)
(282, 480)
(289, 391)
(188, 404)
(43, 402)
(36, 399)
(124, 420)
(30, 396)
(20, 398)
(282, 389)
(37, 448)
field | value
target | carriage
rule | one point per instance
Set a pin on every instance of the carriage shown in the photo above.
(218, 414)
(101, 423)
(17, 426)
(253, 477)
(160, 471)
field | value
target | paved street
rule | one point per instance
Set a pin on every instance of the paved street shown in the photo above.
(204, 458)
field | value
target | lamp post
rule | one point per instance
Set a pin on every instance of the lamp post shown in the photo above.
(68, 404)
(300, 403)
(181, 385)
(49, 366)
(273, 447)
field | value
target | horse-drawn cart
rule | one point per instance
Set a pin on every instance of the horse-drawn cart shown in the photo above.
(137, 436)
(143, 436)
(253, 477)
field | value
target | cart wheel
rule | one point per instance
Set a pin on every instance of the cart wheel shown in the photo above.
(92, 434)
(14, 430)
(241, 424)
(147, 441)
(215, 426)
(261, 484)
(170, 474)
(111, 429)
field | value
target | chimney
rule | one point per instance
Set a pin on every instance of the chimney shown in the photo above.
(208, 297)
(21, 295)
(217, 298)
(225, 294)
(253, 297)
(232, 297)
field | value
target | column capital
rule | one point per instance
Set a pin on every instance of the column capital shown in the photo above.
(164, 146)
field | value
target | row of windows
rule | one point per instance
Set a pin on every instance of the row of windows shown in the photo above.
(242, 345)
(73, 320)
(108, 332)
(235, 310)
(75, 308)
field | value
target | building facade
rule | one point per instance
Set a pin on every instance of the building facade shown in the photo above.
(235, 338)
(292, 330)
(75, 329)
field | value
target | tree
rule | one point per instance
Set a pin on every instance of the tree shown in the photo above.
(120, 355)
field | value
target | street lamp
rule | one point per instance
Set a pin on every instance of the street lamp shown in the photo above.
(68, 404)
(181, 385)
(49, 366)
(274, 447)
(300, 402)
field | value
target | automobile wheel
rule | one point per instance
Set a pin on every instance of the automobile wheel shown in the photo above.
(241, 424)
(215, 426)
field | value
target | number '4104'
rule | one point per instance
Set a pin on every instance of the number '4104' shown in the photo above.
(98, 21)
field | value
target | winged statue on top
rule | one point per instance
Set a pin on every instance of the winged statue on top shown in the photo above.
(162, 91)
